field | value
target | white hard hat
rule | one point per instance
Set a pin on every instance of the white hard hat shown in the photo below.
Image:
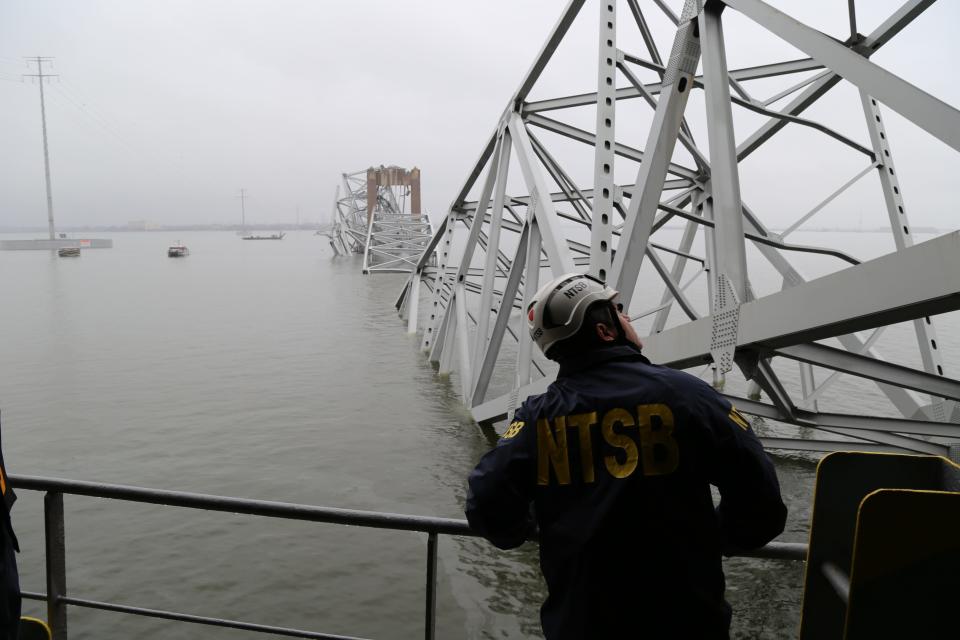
(558, 308)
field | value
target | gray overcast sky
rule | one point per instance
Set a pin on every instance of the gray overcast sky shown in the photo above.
(164, 110)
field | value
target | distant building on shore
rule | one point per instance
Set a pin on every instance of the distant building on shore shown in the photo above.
(142, 225)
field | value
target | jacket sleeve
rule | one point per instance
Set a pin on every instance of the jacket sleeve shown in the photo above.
(500, 490)
(751, 510)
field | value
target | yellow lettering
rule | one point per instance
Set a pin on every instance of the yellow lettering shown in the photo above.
(513, 430)
(552, 452)
(661, 454)
(583, 422)
(621, 441)
(738, 419)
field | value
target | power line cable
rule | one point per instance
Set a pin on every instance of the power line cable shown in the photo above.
(88, 104)
(136, 152)
(105, 126)
(64, 100)
(100, 117)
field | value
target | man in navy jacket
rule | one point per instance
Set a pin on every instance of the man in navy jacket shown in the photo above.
(613, 467)
(9, 580)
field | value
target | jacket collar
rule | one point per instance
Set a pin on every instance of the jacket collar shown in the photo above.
(593, 357)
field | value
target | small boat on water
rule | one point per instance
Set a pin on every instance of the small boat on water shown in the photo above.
(177, 251)
(273, 236)
(68, 252)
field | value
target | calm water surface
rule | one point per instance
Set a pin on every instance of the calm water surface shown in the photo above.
(266, 370)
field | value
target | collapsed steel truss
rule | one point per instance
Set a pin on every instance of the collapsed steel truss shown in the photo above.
(373, 219)
(495, 249)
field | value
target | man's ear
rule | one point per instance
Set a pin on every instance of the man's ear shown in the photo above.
(605, 332)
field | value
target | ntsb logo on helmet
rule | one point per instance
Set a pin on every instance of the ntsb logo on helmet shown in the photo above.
(575, 289)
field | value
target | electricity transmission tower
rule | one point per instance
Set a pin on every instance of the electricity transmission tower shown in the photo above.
(702, 272)
(243, 208)
(40, 75)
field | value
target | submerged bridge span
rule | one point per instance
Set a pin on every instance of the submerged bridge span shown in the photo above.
(790, 329)
(375, 218)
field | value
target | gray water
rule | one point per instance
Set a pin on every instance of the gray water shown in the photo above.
(266, 370)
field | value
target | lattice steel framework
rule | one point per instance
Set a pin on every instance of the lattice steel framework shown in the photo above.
(495, 249)
(390, 234)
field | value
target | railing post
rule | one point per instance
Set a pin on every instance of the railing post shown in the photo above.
(56, 564)
(431, 608)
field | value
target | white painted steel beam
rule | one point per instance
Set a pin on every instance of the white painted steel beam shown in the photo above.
(660, 144)
(477, 169)
(729, 249)
(445, 346)
(654, 88)
(600, 235)
(572, 192)
(432, 337)
(871, 294)
(900, 226)
(543, 211)
(873, 42)
(858, 365)
(884, 431)
(476, 224)
(676, 273)
(645, 32)
(560, 196)
(413, 303)
(531, 283)
(553, 41)
(933, 115)
(463, 339)
(503, 317)
(619, 149)
(685, 136)
(482, 339)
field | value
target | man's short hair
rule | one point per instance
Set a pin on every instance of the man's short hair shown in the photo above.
(586, 338)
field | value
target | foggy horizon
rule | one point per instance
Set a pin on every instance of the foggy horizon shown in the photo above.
(162, 112)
